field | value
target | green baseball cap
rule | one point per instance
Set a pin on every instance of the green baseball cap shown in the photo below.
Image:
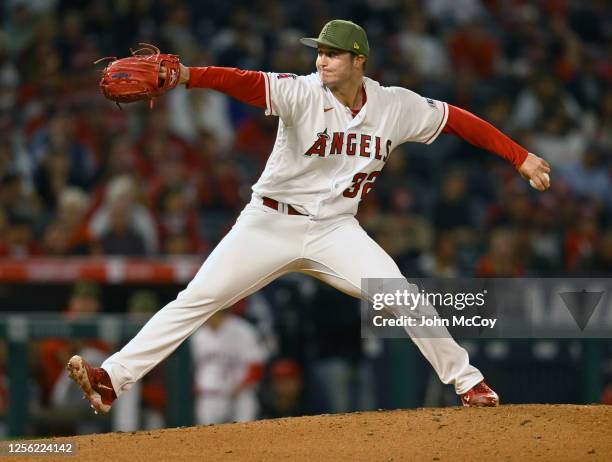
(341, 34)
(86, 289)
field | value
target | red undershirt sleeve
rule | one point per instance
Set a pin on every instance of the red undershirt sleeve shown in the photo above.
(246, 86)
(483, 135)
(253, 375)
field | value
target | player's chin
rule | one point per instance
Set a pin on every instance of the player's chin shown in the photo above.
(324, 76)
(327, 81)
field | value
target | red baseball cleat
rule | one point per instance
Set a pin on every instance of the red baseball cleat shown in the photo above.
(95, 383)
(480, 395)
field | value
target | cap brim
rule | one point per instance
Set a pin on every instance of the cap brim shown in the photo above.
(309, 42)
(315, 42)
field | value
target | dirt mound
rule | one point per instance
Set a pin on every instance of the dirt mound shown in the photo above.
(508, 433)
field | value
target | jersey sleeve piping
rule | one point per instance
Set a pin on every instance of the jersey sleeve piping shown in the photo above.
(441, 125)
(269, 110)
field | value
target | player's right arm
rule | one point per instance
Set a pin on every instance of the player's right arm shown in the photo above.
(246, 86)
(279, 94)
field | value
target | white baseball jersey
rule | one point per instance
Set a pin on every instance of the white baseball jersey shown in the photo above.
(325, 160)
(222, 359)
(222, 356)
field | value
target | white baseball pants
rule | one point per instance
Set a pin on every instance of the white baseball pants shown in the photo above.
(222, 409)
(263, 245)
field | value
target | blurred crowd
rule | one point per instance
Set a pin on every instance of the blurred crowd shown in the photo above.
(78, 176)
(265, 357)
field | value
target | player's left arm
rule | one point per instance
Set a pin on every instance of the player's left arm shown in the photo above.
(482, 134)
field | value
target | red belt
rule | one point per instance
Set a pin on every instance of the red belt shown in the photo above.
(274, 204)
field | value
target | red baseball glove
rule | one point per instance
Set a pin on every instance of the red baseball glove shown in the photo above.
(136, 78)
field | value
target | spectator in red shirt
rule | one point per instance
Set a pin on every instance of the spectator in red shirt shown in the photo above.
(501, 258)
(472, 48)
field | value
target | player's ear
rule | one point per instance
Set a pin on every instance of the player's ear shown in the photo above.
(359, 62)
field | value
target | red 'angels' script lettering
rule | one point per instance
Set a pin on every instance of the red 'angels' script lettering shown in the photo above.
(349, 144)
(337, 142)
(318, 148)
(365, 144)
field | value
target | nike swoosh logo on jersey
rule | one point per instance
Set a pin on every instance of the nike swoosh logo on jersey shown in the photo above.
(325, 109)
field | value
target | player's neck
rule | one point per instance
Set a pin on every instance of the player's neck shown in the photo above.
(350, 93)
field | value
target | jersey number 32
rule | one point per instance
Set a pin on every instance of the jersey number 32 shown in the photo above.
(361, 179)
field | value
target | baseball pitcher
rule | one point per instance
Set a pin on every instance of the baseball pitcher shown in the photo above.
(336, 131)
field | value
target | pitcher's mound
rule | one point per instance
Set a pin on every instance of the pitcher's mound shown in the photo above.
(507, 433)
